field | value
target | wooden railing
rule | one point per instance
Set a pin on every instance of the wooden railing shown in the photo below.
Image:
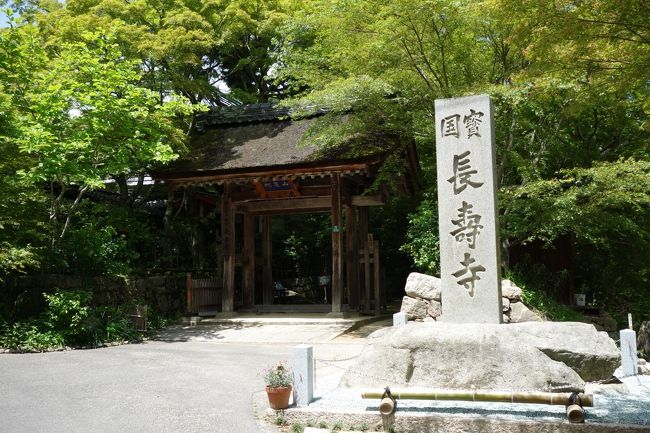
(203, 295)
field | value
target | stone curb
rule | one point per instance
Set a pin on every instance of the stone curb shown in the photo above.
(412, 423)
(250, 322)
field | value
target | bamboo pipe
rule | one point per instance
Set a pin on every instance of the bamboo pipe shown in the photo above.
(562, 399)
(575, 413)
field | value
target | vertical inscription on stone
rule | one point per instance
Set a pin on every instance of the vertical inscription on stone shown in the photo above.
(469, 242)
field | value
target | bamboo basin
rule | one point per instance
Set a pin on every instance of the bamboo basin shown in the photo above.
(554, 398)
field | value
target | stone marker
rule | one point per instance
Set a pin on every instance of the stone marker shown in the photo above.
(629, 359)
(303, 375)
(399, 319)
(467, 206)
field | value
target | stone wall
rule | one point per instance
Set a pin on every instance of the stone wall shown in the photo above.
(423, 301)
(164, 293)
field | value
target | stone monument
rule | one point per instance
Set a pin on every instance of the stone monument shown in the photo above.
(467, 206)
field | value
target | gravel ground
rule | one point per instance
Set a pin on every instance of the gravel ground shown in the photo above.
(625, 403)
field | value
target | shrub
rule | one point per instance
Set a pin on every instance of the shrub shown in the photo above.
(69, 320)
(67, 313)
(533, 294)
(28, 337)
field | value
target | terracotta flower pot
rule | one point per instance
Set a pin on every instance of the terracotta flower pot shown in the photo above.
(279, 397)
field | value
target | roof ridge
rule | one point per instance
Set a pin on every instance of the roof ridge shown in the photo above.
(247, 113)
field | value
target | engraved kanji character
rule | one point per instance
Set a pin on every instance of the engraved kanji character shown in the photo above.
(463, 173)
(468, 282)
(468, 225)
(449, 126)
(472, 122)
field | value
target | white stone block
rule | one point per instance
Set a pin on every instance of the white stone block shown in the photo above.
(629, 359)
(303, 374)
(400, 319)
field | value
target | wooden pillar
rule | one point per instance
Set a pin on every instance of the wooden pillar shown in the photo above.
(228, 247)
(249, 260)
(363, 235)
(267, 254)
(376, 280)
(352, 256)
(337, 277)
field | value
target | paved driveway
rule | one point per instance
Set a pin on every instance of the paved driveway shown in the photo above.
(197, 385)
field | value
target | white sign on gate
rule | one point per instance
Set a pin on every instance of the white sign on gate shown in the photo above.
(467, 207)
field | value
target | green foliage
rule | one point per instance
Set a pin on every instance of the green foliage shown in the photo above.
(338, 426)
(298, 428)
(89, 118)
(281, 419)
(303, 244)
(607, 210)
(16, 260)
(106, 240)
(69, 320)
(535, 282)
(598, 204)
(80, 115)
(67, 312)
(422, 239)
(28, 337)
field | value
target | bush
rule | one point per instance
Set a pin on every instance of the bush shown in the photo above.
(533, 283)
(69, 320)
(29, 337)
(422, 239)
(67, 313)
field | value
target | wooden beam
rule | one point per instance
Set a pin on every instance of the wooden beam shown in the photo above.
(337, 276)
(249, 260)
(302, 204)
(285, 204)
(267, 251)
(352, 256)
(228, 248)
(367, 200)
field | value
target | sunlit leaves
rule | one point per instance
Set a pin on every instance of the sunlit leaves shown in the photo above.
(88, 118)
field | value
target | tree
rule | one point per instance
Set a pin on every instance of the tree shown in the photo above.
(22, 205)
(87, 118)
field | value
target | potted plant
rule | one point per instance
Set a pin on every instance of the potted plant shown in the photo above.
(278, 380)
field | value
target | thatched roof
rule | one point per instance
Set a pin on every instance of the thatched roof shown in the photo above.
(250, 138)
(265, 144)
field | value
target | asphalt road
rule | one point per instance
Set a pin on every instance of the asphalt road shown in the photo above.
(151, 387)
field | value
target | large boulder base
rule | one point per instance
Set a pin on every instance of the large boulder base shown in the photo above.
(507, 357)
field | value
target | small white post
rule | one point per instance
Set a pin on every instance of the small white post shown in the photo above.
(303, 375)
(400, 319)
(629, 321)
(629, 359)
